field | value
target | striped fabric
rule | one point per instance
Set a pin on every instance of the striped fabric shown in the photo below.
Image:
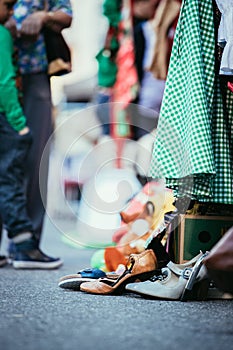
(193, 144)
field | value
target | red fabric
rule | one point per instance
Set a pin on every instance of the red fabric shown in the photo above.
(230, 86)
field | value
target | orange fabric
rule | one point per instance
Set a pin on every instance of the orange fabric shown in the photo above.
(113, 258)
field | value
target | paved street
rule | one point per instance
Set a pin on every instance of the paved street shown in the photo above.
(37, 314)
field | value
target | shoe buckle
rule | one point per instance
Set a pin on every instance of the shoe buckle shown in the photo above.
(186, 273)
(156, 278)
(160, 277)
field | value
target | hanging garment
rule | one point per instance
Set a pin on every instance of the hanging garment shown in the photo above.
(126, 86)
(193, 144)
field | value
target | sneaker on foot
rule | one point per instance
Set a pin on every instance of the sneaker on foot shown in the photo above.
(35, 259)
(3, 260)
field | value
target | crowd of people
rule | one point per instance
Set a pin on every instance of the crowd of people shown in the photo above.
(192, 147)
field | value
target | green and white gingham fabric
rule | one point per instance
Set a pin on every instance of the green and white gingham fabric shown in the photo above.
(193, 142)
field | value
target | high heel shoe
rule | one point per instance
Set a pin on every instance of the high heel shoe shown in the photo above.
(198, 283)
(170, 284)
(139, 267)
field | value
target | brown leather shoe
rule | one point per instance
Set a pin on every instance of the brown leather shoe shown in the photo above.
(139, 267)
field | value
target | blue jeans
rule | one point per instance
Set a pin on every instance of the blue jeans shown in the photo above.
(37, 105)
(13, 153)
(103, 111)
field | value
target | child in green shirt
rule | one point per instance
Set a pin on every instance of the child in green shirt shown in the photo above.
(9, 102)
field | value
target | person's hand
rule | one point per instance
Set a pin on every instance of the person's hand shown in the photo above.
(33, 24)
(24, 131)
(11, 26)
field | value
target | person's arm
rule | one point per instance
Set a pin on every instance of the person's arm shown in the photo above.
(9, 102)
(59, 14)
(34, 23)
(11, 26)
(56, 18)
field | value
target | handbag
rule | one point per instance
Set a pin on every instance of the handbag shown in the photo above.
(219, 262)
(58, 53)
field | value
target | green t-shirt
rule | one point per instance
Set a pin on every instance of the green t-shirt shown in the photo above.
(9, 102)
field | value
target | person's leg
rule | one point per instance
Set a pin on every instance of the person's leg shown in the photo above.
(13, 152)
(13, 200)
(103, 111)
(38, 110)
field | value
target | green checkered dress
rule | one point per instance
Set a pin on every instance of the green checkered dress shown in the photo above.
(193, 144)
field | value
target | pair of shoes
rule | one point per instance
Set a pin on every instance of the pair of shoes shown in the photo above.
(139, 267)
(176, 282)
(29, 256)
(74, 281)
(3, 260)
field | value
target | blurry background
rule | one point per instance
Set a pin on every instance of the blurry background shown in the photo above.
(85, 38)
(102, 141)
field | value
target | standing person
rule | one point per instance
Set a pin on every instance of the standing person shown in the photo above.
(26, 26)
(16, 141)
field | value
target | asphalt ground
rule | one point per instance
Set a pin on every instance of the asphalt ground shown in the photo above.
(35, 314)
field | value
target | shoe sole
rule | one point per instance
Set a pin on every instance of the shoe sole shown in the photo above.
(149, 295)
(37, 264)
(73, 283)
(198, 293)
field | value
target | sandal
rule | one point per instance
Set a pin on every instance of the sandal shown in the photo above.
(139, 267)
(75, 280)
